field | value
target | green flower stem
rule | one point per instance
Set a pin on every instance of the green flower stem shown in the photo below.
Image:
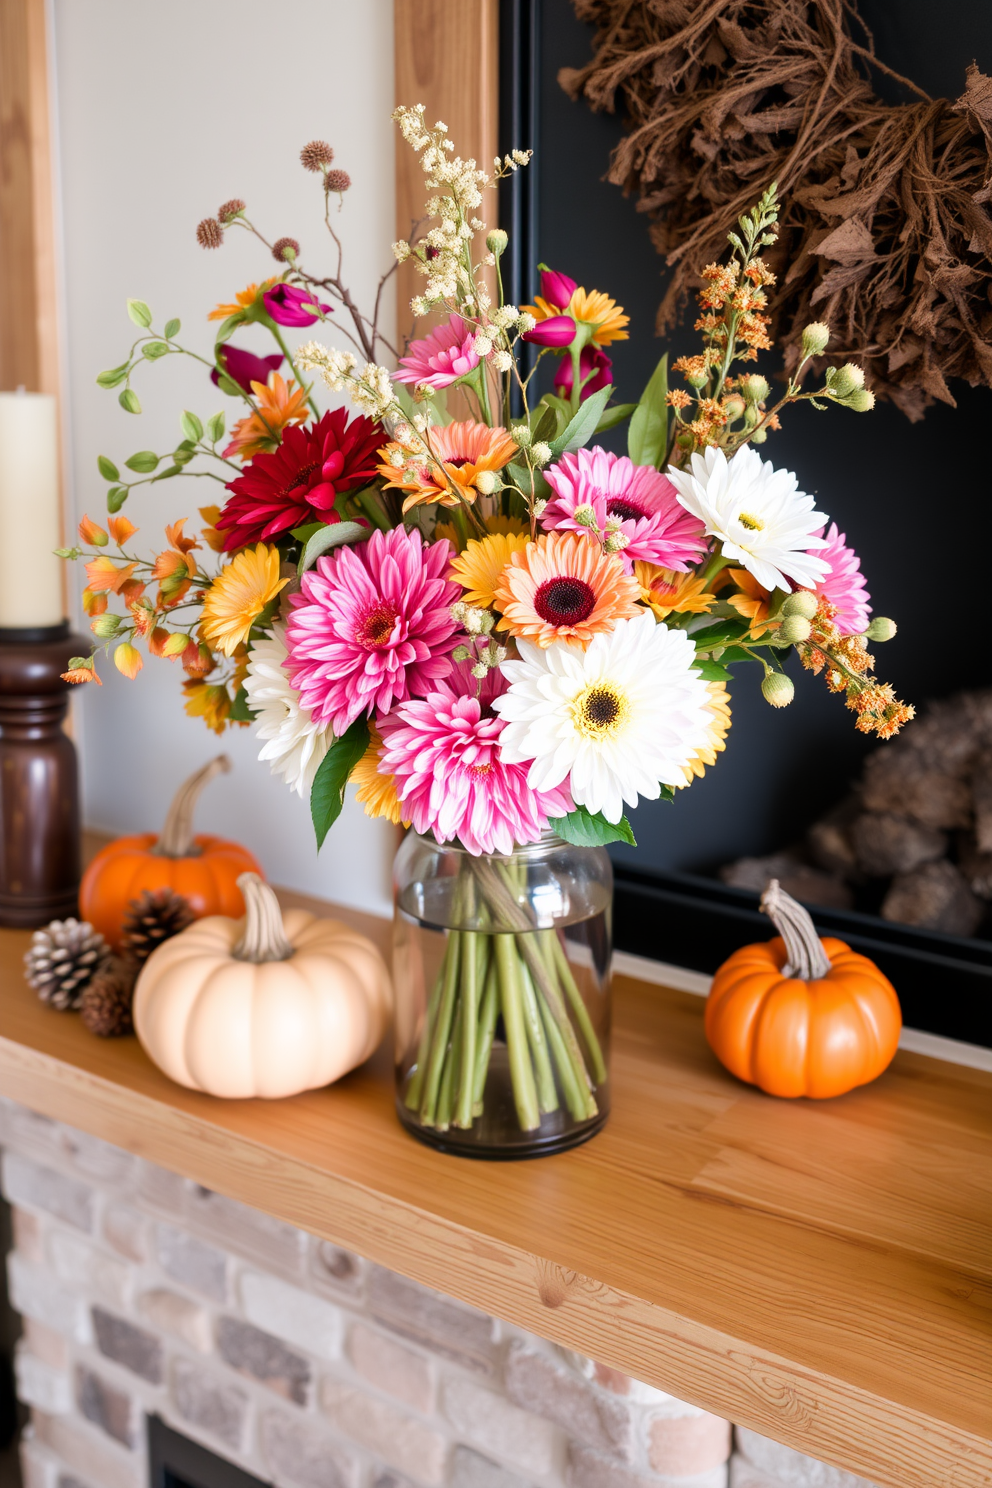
(468, 1014)
(574, 1091)
(373, 510)
(559, 962)
(449, 1079)
(442, 1031)
(488, 1014)
(522, 1074)
(412, 1099)
(273, 327)
(547, 1096)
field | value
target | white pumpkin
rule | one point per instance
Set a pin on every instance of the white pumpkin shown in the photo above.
(268, 1005)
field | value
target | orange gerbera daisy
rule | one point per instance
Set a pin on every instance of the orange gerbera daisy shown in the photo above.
(592, 307)
(667, 592)
(280, 403)
(751, 602)
(564, 588)
(245, 299)
(481, 566)
(464, 449)
(718, 707)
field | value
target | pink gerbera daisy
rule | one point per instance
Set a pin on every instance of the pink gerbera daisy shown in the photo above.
(372, 626)
(443, 752)
(608, 498)
(440, 358)
(844, 584)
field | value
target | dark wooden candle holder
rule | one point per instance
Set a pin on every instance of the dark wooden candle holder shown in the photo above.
(39, 788)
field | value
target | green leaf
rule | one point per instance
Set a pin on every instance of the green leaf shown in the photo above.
(167, 474)
(331, 537)
(305, 533)
(129, 401)
(327, 792)
(615, 415)
(143, 463)
(647, 437)
(546, 420)
(731, 654)
(139, 313)
(68, 552)
(114, 376)
(711, 671)
(215, 427)
(582, 427)
(228, 328)
(191, 426)
(154, 349)
(240, 711)
(720, 634)
(172, 328)
(116, 497)
(107, 468)
(591, 829)
(229, 386)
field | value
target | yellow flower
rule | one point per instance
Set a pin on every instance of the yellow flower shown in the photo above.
(128, 660)
(209, 533)
(376, 790)
(279, 404)
(245, 299)
(719, 711)
(208, 701)
(481, 565)
(592, 307)
(667, 592)
(238, 596)
(752, 602)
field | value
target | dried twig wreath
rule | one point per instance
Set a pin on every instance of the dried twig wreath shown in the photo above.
(885, 220)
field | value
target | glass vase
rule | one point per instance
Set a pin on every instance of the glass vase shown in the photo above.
(502, 976)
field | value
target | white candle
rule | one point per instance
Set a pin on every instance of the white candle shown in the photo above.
(30, 517)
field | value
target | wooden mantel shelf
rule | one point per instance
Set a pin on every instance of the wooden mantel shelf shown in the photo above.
(819, 1272)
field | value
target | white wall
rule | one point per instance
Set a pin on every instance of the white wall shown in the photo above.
(165, 111)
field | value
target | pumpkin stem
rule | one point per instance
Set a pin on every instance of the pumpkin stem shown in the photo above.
(176, 840)
(805, 956)
(263, 937)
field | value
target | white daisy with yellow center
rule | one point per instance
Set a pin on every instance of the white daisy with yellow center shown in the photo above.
(293, 741)
(764, 522)
(617, 720)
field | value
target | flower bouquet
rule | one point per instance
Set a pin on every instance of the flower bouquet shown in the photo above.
(454, 597)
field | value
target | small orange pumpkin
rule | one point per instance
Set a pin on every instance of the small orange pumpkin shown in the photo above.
(798, 1015)
(204, 869)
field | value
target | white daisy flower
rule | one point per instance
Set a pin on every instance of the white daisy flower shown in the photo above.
(763, 521)
(615, 719)
(295, 742)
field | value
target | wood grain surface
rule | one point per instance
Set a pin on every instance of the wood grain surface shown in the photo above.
(821, 1272)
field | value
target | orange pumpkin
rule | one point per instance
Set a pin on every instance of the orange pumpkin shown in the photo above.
(798, 1015)
(203, 869)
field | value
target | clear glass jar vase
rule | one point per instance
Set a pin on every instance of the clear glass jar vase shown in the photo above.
(502, 976)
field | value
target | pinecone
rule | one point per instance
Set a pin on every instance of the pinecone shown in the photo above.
(106, 1005)
(62, 959)
(156, 915)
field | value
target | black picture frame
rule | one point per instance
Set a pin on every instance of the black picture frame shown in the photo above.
(176, 1462)
(944, 982)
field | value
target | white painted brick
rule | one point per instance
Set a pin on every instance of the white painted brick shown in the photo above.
(36, 1187)
(189, 1261)
(39, 1469)
(788, 1467)
(89, 1454)
(126, 1231)
(85, 1268)
(160, 1189)
(287, 1313)
(40, 1385)
(501, 1430)
(33, 1292)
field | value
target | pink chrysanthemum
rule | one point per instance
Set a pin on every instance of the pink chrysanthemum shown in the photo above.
(372, 626)
(446, 354)
(607, 497)
(443, 752)
(844, 585)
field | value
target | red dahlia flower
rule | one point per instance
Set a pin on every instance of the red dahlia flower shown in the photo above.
(300, 481)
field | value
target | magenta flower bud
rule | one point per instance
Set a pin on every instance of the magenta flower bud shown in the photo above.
(287, 304)
(557, 288)
(557, 330)
(590, 358)
(244, 367)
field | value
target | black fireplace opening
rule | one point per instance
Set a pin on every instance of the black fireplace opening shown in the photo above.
(177, 1462)
(784, 773)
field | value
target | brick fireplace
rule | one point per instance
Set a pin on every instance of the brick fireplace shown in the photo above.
(144, 1295)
